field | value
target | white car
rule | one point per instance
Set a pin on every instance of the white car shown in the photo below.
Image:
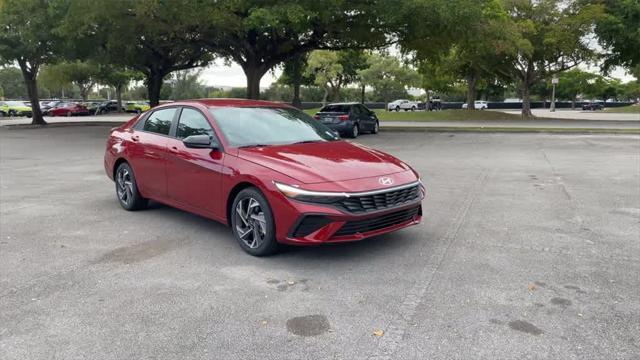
(405, 105)
(478, 105)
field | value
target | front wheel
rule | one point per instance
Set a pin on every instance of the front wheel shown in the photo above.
(252, 223)
(127, 189)
(397, 108)
(413, 108)
(12, 113)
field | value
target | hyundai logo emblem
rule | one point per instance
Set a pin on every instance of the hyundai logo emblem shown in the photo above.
(385, 181)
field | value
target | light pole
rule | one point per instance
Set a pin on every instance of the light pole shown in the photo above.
(554, 82)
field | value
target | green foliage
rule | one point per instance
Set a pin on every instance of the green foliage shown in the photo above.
(153, 37)
(259, 35)
(572, 83)
(388, 77)
(186, 85)
(552, 38)
(26, 37)
(12, 83)
(619, 32)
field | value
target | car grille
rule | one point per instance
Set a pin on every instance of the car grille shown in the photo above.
(378, 223)
(379, 201)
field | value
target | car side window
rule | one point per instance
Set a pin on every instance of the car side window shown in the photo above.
(159, 121)
(192, 122)
(355, 110)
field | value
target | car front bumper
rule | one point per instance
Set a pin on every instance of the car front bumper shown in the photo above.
(304, 223)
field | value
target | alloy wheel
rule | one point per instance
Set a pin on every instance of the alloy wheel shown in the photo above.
(251, 225)
(125, 186)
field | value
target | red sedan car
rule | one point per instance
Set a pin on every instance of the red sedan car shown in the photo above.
(68, 109)
(270, 171)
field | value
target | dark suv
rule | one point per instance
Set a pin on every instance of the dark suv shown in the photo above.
(348, 119)
(593, 106)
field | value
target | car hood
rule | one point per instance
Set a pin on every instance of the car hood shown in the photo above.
(324, 161)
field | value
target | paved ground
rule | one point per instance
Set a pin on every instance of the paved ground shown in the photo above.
(567, 123)
(529, 250)
(581, 115)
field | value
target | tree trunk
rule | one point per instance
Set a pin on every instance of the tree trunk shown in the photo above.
(324, 98)
(472, 92)
(154, 84)
(119, 97)
(254, 74)
(296, 95)
(30, 77)
(362, 95)
(526, 100)
(573, 103)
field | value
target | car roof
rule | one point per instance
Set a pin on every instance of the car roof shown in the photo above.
(344, 103)
(224, 102)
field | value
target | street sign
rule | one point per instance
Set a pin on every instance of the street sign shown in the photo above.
(555, 80)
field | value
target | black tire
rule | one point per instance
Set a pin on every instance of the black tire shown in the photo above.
(69, 114)
(12, 113)
(249, 219)
(128, 194)
(355, 131)
(413, 108)
(138, 111)
(397, 108)
(1, 114)
(376, 128)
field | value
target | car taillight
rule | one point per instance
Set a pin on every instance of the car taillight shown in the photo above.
(317, 117)
(343, 117)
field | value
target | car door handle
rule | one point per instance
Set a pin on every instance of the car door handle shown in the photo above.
(135, 138)
(173, 149)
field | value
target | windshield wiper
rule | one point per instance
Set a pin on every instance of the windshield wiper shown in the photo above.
(253, 145)
(306, 142)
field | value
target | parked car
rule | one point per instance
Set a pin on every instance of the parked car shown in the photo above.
(136, 107)
(348, 119)
(92, 106)
(68, 109)
(270, 171)
(107, 107)
(14, 108)
(477, 105)
(48, 105)
(405, 105)
(593, 106)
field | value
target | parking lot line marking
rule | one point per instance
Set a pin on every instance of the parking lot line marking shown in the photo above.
(395, 331)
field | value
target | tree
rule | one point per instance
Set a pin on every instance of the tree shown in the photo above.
(619, 32)
(186, 85)
(388, 77)
(55, 82)
(259, 35)
(552, 40)
(155, 38)
(117, 77)
(26, 37)
(81, 74)
(325, 67)
(293, 73)
(12, 83)
(573, 83)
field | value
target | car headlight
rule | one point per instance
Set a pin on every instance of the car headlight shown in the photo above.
(295, 192)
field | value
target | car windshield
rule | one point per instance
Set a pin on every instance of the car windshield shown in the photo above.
(269, 126)
(335, 108)
(15, 103)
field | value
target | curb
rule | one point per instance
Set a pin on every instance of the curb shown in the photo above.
(63, 124)
(511, 130)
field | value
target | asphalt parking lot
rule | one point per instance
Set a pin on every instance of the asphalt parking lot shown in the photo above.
(529, 249)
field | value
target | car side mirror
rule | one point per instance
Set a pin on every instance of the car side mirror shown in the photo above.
(200, 142)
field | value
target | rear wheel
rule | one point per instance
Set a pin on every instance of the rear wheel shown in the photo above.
(413, 108)
(12, 113)
(252, 223)
(376, 128)
(355, 131)
(127, 189)
(397, 108)
(69, 113)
